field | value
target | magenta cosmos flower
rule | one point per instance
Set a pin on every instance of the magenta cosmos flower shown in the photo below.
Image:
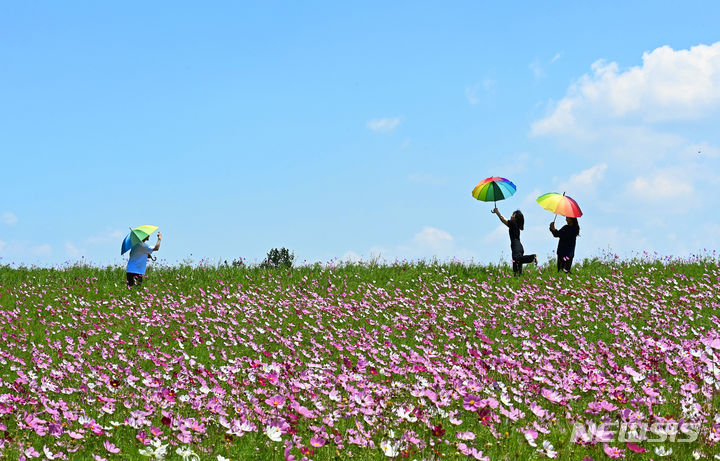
(276, 401)
(317, 441)
(471, 402)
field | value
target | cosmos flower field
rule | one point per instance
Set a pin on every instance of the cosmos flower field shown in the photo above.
(406, 361)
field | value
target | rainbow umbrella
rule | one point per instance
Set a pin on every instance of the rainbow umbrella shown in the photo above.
(493, 189)
(136, 236)
(560, 205)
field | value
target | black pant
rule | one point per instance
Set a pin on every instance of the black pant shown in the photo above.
(134, 279)
(519, 260)
(564, 263)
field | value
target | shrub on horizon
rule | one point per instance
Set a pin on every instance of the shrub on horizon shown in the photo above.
(279, 259)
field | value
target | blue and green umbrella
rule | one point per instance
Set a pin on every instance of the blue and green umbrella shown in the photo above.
(136, 236)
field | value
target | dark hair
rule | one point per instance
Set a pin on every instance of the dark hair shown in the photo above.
(518, 218)
(574, 222)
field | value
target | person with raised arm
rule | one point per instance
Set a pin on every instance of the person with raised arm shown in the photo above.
(139, 255)
(515, 224)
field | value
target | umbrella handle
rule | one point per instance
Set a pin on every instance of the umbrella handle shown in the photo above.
(495, 207)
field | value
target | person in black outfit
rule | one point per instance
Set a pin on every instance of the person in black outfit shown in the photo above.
(515, 224)
(566, 245)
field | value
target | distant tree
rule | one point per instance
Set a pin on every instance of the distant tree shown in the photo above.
(279, 259)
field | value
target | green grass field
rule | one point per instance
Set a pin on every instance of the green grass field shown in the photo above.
(363, 361)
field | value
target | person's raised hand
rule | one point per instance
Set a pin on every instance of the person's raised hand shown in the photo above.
(159, 235)
(495, 210)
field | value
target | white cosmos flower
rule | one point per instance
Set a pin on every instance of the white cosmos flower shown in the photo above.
(273, 433)
(390, 448)
(222, 458)
(187, 454)
(158, 452)
(48, 454)
(661, 451)
(246, 427)
(549, 449)
(406, 414)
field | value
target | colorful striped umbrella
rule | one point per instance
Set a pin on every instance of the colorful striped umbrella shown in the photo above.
(560, 205)
(136, 236)
(493, 189)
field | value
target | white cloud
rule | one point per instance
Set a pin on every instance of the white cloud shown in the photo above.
(22, 249)
(429, 242)
(509, 165)
(41, 250)
(474, 93)
(669, 85)
(431, 238)
(351, 256)
(383, 125)
(71, 250)
(623, 241)
(529, 200)
(661, 186)
(103, 238)
(584, 181)
(537, 69)
(9, 218)
(499, 234)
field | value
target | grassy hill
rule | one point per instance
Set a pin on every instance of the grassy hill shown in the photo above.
(411, 360)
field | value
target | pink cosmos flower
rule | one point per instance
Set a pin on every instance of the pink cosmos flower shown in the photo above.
(539, 411)
(530, 436)
(317, 441)
(96, 428)
(635, 448)
(110, 447)
(467, 435)
(613, 452)
(471, 402)
(551, 395)
(55, 429)
(472, 452)
(143, 438)
(276, 401)
(30, 452)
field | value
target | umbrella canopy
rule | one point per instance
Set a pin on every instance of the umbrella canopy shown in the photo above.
(136, 236)
(493, 189)
(560, 204)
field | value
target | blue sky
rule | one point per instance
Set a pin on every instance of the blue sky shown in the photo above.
(347, 131)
